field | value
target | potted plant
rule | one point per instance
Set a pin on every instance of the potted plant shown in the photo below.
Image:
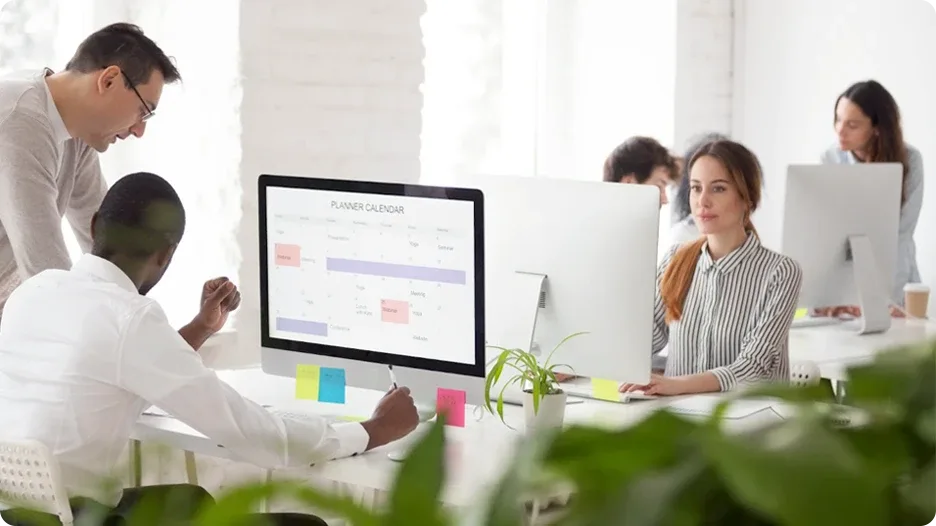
(544, 400)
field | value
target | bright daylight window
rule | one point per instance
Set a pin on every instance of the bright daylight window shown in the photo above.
(194, 140)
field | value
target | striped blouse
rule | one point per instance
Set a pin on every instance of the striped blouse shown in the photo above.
(736, 318)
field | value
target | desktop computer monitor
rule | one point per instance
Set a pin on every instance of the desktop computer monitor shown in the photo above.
(566, 256)
(361, 275)
(840, 223)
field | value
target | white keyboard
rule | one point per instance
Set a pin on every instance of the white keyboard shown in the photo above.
(516, 396)
(585, 391)
(815, 321)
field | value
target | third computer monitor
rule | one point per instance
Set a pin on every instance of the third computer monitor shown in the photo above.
(840, 223)
(356, 276)
(567, 256)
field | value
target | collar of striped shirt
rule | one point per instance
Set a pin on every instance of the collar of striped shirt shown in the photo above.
(730, 262)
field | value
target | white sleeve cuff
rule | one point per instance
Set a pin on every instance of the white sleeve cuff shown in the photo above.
(352, 439)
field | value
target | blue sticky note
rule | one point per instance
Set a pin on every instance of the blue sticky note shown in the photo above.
(332, 385)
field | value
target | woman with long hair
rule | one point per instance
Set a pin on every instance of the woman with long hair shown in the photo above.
(867, 123)
(724, 302)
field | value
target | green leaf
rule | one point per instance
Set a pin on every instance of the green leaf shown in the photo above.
(904, 378)
(882, 449)
(799, 473)
(599, 462)
(419, 482)
(560, 344)
(238, 506)
(654, 498)
(926, 427)
(505, 503)
(920, 493)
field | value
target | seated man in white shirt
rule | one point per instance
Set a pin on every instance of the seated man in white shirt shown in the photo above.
(83, 352)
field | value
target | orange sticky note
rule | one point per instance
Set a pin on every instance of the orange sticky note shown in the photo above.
(605, 390)
(451, 403)
(800, 313)
(307, 382)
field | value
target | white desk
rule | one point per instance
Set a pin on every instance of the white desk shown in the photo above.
(834, 347)
(478, 454)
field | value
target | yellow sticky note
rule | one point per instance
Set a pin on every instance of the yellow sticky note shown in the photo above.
(307, 382)
(605, 390)
(800, 313)
(349, 418)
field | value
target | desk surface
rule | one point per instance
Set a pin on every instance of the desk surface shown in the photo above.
(479, 453)
(834, 347)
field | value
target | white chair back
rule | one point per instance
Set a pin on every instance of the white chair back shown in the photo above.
(30, 479)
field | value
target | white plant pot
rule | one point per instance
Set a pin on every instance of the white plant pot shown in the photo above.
(550, 415)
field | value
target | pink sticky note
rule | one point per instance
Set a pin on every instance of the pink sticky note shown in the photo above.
(287, 255)
(394, 311)
(451, 403)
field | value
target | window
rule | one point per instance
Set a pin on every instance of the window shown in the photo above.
(526, 87)
(514, 87)
(194, 141)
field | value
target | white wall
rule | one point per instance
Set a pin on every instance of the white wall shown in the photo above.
(330, 89)
(798, 55)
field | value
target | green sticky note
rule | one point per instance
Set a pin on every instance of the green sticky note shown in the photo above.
(307, 382)
(800, 313)
(605, 390)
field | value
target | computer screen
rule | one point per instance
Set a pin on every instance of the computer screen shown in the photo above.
(371, 276)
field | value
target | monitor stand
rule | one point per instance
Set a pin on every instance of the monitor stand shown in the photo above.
(874, 303)
(527, 293)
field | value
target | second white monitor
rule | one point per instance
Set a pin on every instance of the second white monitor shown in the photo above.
(596, 245)
(840, 223)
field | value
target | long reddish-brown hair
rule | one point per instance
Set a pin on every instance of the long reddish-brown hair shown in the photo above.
(745, 172)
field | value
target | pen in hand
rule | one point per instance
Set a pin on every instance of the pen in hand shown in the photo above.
(392, 376)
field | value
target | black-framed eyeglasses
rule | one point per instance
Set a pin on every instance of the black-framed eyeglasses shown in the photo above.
(148, 112)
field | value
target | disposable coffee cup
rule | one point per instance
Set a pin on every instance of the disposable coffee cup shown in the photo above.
(916, 299)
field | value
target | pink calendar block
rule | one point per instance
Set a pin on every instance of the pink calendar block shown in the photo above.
(394, 311)
(287, 255)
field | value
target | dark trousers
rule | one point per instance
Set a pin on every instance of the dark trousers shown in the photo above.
(175, 504)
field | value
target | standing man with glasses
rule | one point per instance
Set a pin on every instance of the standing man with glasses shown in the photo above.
(52, 127)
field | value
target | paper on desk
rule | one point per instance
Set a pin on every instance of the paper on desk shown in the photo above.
(704, 405)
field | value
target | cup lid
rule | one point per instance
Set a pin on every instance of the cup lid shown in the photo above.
(916, 287)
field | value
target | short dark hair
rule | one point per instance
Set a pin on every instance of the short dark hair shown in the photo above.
(140, 215)
(125, 46)
(637, 156)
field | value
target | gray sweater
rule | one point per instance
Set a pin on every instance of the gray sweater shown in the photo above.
(45, 175)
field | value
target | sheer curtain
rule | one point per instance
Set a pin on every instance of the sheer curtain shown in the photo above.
(194, 139)
(544, 88)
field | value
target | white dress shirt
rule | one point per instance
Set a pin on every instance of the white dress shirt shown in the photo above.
(82, 354)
